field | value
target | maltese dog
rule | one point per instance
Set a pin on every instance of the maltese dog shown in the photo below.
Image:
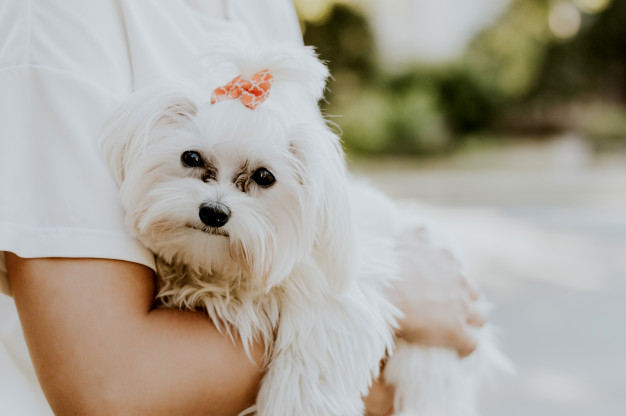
(245, 199)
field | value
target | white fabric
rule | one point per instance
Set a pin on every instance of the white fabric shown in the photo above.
(64, 64)
(20, 394)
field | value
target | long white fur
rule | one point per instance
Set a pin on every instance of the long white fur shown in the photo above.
(306, 261)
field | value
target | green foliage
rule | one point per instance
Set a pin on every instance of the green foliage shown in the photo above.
(508, 56)
(344, 41)
(593, 63)
(468, 104)
(515, 66)
(384, 120)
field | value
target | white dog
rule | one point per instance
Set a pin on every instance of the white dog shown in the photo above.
(246, 201)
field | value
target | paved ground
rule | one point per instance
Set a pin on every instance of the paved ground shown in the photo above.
(543, 228)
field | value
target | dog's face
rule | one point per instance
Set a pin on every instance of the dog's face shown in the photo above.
(223, 190)
(232, 192)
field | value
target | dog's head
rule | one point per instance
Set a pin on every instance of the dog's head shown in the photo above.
(231, 191)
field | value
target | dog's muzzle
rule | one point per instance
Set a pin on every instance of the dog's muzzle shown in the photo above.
(214, 214)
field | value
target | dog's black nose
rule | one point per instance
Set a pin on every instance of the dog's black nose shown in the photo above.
(214, 214)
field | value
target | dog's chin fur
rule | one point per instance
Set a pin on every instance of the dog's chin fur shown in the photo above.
(301, 264)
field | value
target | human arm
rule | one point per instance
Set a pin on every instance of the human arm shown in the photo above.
(99, 347)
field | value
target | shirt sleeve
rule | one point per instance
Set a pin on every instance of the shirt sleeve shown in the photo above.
(57, 196)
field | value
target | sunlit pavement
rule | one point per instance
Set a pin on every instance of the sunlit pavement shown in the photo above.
(543, 229)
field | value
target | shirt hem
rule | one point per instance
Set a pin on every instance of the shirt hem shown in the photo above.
(69, 243)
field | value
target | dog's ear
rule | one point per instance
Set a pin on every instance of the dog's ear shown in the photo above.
(148, 114)
(322, 172)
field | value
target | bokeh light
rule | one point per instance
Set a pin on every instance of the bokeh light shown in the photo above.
(564, 20)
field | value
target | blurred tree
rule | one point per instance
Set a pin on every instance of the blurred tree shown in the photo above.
(343, 39)
(508, 56)
(516, 73)
(590, 70)
(378, 113)
(577, 83)
(468, 103)
(591, 64)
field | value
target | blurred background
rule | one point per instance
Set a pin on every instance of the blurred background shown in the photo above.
(506, 120)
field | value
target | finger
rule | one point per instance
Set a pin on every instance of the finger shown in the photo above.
(451, 257)
(463, 341)
(421, 234)
(476, 317)
(473, 293)
(379, 401)
(472, 289)
(468, 348)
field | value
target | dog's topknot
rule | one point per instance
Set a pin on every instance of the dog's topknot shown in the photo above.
(290, 64)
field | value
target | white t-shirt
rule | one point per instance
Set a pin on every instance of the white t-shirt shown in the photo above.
(64, 64)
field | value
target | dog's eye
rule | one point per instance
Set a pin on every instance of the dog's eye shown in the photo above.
(263, 177)
(192, 159)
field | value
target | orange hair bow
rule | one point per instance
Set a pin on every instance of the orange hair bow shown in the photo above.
(252, 92)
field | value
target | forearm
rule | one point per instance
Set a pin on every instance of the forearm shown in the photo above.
(98, 348)
(173, 364)
(197, 364)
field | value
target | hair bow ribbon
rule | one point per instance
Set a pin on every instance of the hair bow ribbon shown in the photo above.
(252, 92)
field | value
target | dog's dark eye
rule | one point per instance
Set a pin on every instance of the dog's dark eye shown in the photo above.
(263, 177)
(192, 159)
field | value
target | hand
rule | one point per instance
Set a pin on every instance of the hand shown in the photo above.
(379, 401)
(438, 300)
(439, 304)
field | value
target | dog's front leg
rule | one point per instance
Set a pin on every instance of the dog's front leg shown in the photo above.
(327, 349)
(324, 358)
